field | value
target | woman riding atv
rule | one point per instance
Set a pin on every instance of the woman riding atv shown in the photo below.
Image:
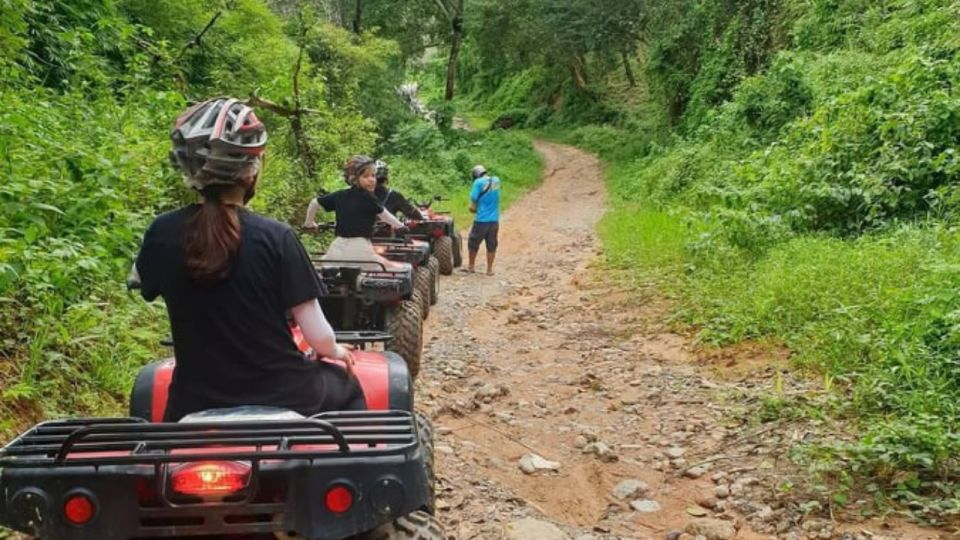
(230, 277)
(357, 210)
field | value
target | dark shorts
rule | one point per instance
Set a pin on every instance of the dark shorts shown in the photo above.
(483, 232)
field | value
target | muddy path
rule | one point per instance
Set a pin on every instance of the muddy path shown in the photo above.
(637, 435)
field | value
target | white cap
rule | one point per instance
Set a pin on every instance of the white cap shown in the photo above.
(479, 170)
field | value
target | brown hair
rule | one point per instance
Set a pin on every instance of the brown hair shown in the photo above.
(212, 235)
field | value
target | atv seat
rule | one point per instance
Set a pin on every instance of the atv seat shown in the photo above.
(246, 413)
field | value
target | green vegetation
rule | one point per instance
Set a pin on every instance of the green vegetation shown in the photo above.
(785, 171)
(88, 92)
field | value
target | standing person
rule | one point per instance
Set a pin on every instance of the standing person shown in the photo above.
(230, 277)
(357, 209)
(391, 199)
(485, 204)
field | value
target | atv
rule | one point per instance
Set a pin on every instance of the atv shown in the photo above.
(251, 473)
(375, 296)
(439, 230)
(425, 266)
(405, 250)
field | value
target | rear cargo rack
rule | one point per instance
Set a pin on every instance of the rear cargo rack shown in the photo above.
(133, 441)
(360, 337)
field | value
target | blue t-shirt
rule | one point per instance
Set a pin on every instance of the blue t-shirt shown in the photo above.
(488, 205)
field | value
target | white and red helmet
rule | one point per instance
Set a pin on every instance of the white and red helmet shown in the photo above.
(219, 137)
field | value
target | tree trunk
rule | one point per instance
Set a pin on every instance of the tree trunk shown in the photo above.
(304, 152)
(627, 69)
(576, 70)
(455, 41)
(357, 16)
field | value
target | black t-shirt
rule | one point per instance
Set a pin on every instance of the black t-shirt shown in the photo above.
(356, 211)
(231, 338)
(396, 203)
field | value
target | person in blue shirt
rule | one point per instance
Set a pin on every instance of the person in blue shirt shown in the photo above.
(485, 204)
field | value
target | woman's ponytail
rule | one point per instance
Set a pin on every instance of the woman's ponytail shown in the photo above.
(212, 237)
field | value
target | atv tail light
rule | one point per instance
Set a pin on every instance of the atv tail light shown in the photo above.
(339, 499)
(210, 477)
(78, 509)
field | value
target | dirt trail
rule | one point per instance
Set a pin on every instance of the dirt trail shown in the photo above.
(549, 359)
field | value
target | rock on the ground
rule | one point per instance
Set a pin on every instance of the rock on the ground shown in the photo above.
(697, 471)
(712, 529)
(602, 451)
(675, 452)
(531, 463)
(529, 528)
(629, 489)
(645, 505)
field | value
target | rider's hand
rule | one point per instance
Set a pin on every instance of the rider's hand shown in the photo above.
(348, 359)
(310, 225)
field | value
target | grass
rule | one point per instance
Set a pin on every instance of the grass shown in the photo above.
(878, 315)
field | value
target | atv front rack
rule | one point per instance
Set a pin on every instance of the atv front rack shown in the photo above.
(132, 441)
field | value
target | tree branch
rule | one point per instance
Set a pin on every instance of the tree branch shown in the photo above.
(196, 39)
(443, 8)
(257, 101)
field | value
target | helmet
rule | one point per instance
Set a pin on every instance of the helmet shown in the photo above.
(215, 140)
(479, 170)
(383, 172)
(355, 166)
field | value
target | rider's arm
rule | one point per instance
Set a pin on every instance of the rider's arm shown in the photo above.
(409, 210)
(311, 219)
(145, 267)
(389, 219)
(316, 330)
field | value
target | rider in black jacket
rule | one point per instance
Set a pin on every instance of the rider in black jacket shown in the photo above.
(393, 200)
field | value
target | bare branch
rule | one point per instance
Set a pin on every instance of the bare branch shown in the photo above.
(443, 8)
(196, 39)
(257, 101)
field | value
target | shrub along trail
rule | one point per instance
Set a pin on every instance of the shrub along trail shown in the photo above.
(636, 435)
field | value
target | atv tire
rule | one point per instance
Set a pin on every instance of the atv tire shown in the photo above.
(413, 526)
(405, 323)
(457, 250)
(425, 436)
(444, 253)
(434, 266)
(423, 284)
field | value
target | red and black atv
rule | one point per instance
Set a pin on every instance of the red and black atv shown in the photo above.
(405, 250)
(438, 229)
(375, 296)
(426, 267)
(245, 473)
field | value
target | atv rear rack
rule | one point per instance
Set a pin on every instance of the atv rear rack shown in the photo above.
(132, 441)
(362, 337)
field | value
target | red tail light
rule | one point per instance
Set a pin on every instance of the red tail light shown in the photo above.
(78, 509)
(339, 499)
(210, 477)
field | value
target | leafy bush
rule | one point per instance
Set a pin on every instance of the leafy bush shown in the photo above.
(509, 119)
(539, 117)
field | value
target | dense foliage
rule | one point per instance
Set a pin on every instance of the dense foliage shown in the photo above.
(88, 92)
(788, 171)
